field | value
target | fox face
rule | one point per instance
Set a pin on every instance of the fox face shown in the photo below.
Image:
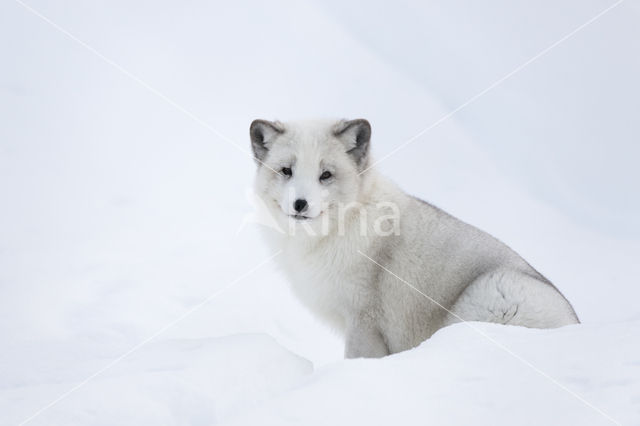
(308, 171)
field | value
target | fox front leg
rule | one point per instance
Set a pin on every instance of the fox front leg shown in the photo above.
(364, 341)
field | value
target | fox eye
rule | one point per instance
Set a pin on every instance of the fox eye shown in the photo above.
(286, 171)
(325, 175)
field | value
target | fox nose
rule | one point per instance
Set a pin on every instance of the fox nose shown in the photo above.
(300, 205)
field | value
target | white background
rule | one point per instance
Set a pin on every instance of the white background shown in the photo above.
(121, 209)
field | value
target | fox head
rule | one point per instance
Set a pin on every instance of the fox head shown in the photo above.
(307, 171)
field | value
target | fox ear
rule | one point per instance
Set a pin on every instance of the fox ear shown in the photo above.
(262, 133)
(356, 135)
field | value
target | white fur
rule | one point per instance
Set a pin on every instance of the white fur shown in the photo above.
(473, 275)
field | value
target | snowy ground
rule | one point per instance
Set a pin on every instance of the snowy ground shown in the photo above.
(131, 292)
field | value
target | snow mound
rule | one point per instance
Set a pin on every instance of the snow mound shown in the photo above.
(172, 382)
(460, 377)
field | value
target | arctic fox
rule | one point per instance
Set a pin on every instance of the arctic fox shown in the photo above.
(384, 268)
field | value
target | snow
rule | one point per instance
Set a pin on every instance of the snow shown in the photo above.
(176, 381)
(452, 379)
(122, 222)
